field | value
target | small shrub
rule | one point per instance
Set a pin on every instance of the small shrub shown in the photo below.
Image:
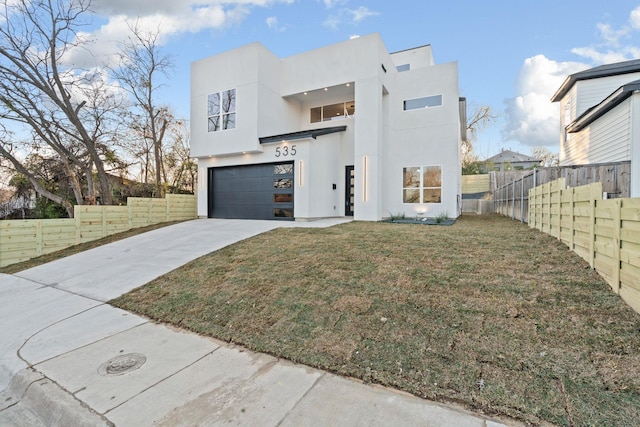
(397, 216)
(442, 217)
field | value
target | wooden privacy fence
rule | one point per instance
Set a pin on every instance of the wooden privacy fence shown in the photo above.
(511, 189)
(512, 199)
(21, 240)
(475, 184)
(605, 233)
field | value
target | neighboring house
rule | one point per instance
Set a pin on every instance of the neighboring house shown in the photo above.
(507, 160)
(600, 117)
(344, 130)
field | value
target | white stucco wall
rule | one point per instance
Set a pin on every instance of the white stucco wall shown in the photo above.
(379, 141)
(416, 58)
(425, 137)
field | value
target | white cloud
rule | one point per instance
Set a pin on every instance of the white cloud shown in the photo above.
(170, 17)
(614, 43)
(332, 3)
(598, 57)
(634, 18)
(349, 16)
(531, 118)
(361, 13)
(272, 23)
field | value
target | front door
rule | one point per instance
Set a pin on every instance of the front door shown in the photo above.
(350, 185)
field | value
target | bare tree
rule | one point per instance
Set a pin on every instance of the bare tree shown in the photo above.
(141, 64)
(481, 117)
(6, 152)
(545, 156)
(181, 170)
(65, 107)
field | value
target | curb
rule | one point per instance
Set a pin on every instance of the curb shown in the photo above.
(31, 399)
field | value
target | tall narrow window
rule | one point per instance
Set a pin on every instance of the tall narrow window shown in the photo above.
(422, 184)
(221, 110)
(411, 185)
(431, 184)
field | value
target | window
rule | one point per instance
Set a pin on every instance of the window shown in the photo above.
(283, 169)
(426, 102)
(221, 110)
(422, 184)
(337, 111)
(283, 183)
(403, 67)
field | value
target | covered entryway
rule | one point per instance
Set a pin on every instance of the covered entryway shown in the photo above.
(262, 191)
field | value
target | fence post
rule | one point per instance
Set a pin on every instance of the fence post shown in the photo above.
(617, 231)
(513, 200)
(104, 220)
(548, 209)
(522, 199)
(592, 224)
(149, 210)
(77, 214)
(573, 219)
(531, 217)
(560, 187)
(39, 238)
(130, 214)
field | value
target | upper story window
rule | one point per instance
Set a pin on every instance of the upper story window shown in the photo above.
(426, 102)
(221, 110)
(403, 67)
(338, 111)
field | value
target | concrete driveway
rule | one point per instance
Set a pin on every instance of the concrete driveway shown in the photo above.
(68, 358)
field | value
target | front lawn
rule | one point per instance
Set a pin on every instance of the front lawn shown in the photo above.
(486, 312)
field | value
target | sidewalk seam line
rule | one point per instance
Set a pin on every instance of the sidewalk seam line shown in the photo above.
(74, 349)
(163, 380)
(323, 374)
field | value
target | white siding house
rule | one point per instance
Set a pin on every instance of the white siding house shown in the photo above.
(345, 130)
(600, 117)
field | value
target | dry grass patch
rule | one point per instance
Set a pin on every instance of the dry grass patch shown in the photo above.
(486, 312)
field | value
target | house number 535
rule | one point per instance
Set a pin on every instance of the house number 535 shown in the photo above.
(286, 151)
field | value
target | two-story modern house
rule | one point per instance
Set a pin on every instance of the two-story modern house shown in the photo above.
(600, 117)
(345, 130)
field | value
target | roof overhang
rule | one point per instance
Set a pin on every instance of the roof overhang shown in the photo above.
(616, 69)
(610, 102)
(311, 133)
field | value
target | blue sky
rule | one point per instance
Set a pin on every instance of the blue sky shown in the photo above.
(512, 54)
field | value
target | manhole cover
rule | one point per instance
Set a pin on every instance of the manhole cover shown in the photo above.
(122, 364)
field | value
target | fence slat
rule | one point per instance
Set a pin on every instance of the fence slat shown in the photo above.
(21, 240)
(605, 233)
(614, 178)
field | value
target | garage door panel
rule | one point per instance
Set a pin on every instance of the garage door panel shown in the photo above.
(251, 191)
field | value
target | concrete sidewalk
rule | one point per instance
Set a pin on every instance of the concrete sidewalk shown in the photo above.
(68, 358)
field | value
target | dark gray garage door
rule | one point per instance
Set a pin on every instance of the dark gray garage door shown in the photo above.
(252, 192)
